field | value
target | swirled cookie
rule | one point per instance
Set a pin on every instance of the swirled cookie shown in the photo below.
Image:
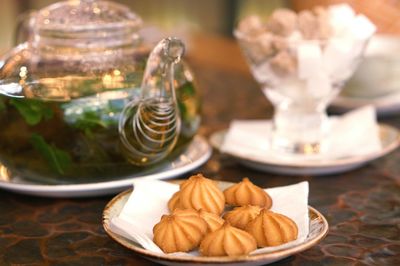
(213, 221)
(241, 216)
(227, 241)
(173, 202)
(246, 193)
(199, 192)
(181, 231)
(272, 229)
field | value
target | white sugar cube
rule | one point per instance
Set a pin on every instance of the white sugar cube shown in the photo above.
(337, 56)
(309, 59)
(341, 16)
(295, 36)
(362, 28)
(264, 74)
(319, 85)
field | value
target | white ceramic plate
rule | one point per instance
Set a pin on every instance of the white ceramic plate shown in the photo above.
(390, 140)
(196, 154)
(318, 230)
(376, 81)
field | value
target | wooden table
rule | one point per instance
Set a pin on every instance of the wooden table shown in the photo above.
(362, 206)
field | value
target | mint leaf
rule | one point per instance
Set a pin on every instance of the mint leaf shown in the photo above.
(187, 89)
(57, 159)
(183, 110)
(90, 120)
(32, 111)
(185, 94)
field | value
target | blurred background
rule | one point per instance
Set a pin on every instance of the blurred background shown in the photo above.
(215, 17)
(175, 16)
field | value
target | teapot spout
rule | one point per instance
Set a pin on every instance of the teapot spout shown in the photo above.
(159, 74)
(149, 127)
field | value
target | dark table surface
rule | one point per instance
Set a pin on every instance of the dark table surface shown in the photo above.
(361, 206)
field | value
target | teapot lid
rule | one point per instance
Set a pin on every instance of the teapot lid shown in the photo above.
(78, 48)
(86, 19)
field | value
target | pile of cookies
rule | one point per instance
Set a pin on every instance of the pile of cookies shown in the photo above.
(195, 220)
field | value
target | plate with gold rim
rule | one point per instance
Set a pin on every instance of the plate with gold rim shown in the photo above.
(318, 230)
(390, 140)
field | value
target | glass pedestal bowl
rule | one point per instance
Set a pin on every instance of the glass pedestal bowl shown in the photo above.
(300, 78)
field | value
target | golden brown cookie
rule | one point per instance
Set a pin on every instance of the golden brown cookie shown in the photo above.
(182, 231)
(241, 216)
(199, 192)
(213, 221)
(272, 229)
(227, 241)
(246, 193)
(173, 202)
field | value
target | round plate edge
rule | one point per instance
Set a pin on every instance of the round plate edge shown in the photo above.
(280, 254)
(341, 165)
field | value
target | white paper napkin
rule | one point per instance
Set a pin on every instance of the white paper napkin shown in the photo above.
(148, 203)
(353, 134)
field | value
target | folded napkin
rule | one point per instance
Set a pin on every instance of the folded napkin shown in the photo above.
(353, 134)
(148, 203)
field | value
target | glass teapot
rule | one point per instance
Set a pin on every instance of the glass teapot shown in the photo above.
(79, 103)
